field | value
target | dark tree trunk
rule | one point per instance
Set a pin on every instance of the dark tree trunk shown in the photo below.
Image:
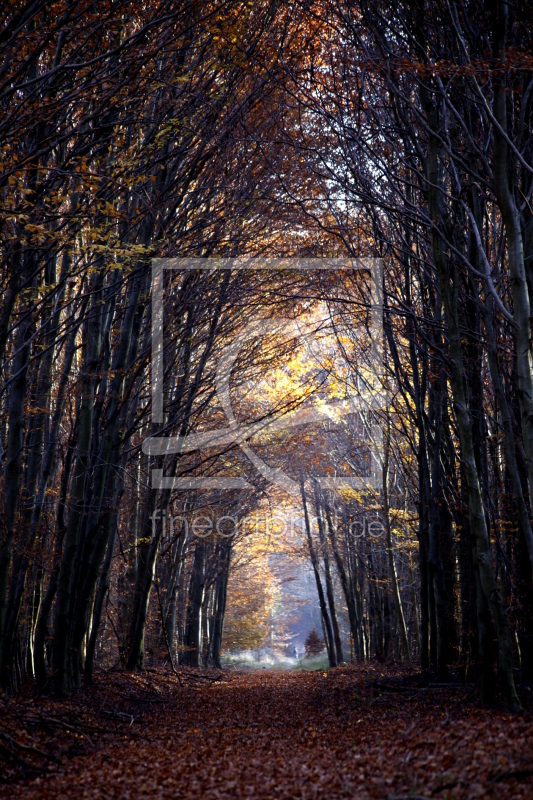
(329, 583)
(330, 643)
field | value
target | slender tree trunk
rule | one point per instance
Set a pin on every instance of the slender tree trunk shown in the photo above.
(33, 505)
(17, 395)
(105, 473)
(314, 561)
(415, 604)
(329, 583)
(423, 481)
(346, 582)
(110, 521)
(435, 561)
(390, 550)
(477, 511)
(504, 191)
(63, 608)
(194, 608)
(220, 602)
(170, 621)
(524, 522)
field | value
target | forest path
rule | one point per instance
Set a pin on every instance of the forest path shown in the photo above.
(364, 732)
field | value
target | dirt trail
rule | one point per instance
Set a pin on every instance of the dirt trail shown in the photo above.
(364, 732)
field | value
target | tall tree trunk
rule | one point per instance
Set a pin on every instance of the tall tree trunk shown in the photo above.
(390, 550)
(524, 522)
(111, 520)
(105, 473)
(477, 512)
(314, 561)
(345, 579)
(504, 190)
(220, 601)
(33, 505)
(158, 499)
(172, 591)
(63, 608)
(424, 491)
(194, 608)
(329, 583)
(17, 395)
(435, 561)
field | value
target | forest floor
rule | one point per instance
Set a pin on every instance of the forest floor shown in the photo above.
(366, 731)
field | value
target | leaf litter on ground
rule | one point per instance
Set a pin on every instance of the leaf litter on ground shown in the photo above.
(366, 731)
